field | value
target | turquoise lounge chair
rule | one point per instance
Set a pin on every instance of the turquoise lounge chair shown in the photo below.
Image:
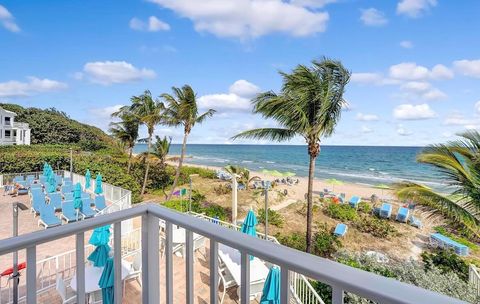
(415, 222)
(354, 201)
(30, 179)
(42, 179)
(19, 178)
(66, 188)
(402, 215)
(59, 180)
(340, 230)
(447, 243)
(386, 210)
(37, 200)
(55, 200)
(35, 186)
(100, 202)
(68, 196)
(47, 216)
(69, 214)
(86, 209)
(85, 195)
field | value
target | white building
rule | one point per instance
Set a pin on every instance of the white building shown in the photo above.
(11, 132)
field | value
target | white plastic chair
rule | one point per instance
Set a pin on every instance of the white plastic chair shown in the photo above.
(67, 294)
(135, 272)
(226, 280)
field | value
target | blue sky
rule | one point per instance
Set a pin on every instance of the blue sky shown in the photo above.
(415, 63)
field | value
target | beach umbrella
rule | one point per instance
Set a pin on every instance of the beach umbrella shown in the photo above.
(88, 177)
(276, 173)
(106, 282)
(334, 182)
(288, 174)
(98, 184)
(382, 187)
(52, 184)
(77, 197)
(271, 288)
(100, 238)
(249, 224)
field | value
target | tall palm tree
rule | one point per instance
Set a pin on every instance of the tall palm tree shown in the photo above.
(459, 165)
(160, 149)
(149, 112)
(126, 130)
(243, 173)
(182, 110)
(309, 105)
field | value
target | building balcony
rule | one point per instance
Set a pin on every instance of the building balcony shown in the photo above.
(167, 278)
(20, 125)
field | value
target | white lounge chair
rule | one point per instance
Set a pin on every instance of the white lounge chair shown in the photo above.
(66, 294)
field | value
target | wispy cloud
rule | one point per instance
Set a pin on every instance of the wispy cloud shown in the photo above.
(110, 72)
(413, 112)
(33, 86)
(152, 25)
(415, 8)
(373, 17)
(7, 20)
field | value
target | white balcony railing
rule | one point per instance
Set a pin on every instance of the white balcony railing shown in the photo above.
(340, 277)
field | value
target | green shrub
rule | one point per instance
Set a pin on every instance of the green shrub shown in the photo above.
(364, 207)
(446, 261)
(342, 212)
(213, 210)
(295, 240)
(325, 244)
(222, 189)
(377, 227)
(274, 218)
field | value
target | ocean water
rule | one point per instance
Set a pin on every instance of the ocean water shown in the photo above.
(355, 164)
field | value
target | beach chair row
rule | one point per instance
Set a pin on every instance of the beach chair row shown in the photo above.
(47, 205)
(442, 241)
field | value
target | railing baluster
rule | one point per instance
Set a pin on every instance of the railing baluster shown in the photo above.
(337, 295)
(213, 272)
(189, 266)
(245, 278)
(169, 262)
(80, 265)
(284, 288)
(150, 262)
(32, 275)
(117, 262)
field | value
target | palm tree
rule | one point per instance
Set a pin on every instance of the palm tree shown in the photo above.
(243, 173)
(309, 105)
(149, 112)
(160, 149)
(459, 164)
(126, 130)
(182, 110)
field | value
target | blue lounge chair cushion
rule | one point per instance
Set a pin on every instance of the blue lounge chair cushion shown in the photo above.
(386, 210)
(35, 186)
(47, 216)
(341, 229)
(447, 242)
(86, 209)
(100, 202)
(402, 214)
(67, 188)
(19, 178)
(69, 213)
(68, 196)
(354, 201)
(55, 200)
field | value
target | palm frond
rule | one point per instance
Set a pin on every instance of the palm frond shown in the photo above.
(275, 134)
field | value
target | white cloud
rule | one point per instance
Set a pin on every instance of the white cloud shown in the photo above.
(153, 25)
(244, 88)
(367, 117)
(412, 71)
(468, 67)
(366, 129)
(106, 112)
(415, 8)
(477, 107)
(457, 119)
(413, 112)
(312, 3)
(406, 44)
(402, 131)
(7, 20)
(35, 85)
(367, 78)
(247, 19)
(373, 17)
(423, 90)
(237, 99)
(108, 72)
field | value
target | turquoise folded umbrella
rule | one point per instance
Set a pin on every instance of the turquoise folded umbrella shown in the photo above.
(106, 282)
(98, 184)
(77, 197)
(249, 224)
(88, 177)
(52, 184)
(100, 236)
(100, 255)
(271, 288)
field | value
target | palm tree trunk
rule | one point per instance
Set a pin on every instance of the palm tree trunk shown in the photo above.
(180, 162)
(130, 159)
(311, 173)
(148, 163)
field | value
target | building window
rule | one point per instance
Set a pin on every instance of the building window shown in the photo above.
(21, 133)
(7, 133)
(7, 121)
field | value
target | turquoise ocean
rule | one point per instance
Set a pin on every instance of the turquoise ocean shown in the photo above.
(355, 164)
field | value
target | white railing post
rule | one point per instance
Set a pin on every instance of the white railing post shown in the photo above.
(117, 261)
(213, 272)
(80, 262)
(31, 275)
(245, 278)
(189, 266)
(285, 282)
(169, 262)
(337, 295)
(150, 262)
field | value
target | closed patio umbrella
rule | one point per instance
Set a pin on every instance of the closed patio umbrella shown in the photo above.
(52, 184)
(334, 182)
(88, 177)
(249, 225)
(98, 184)
(100, 238)
(77, 197)
(106, 282)
(271, 288)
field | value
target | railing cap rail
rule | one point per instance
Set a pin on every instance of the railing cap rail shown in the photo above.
(362, 283)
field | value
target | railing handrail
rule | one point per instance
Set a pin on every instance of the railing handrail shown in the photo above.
(362, 283)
